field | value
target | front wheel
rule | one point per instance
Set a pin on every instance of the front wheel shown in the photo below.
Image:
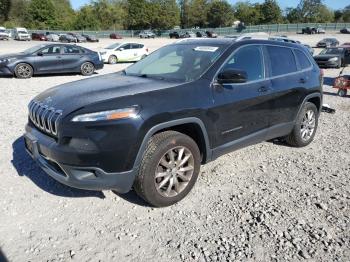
(87, 69)
(23, 70)
(305, 126)
(342, 92)
(169, 169)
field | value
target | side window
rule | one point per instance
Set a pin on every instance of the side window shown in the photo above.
(71, 49)
(243, 60)
(51, 50)
(126, 47)
(302, 59)
(282, 60)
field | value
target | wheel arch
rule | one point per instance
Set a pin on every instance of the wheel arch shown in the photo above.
(315, 98)
(192, 126)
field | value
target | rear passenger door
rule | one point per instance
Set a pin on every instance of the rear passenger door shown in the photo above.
(137, 51)
(288, 83)
(243, 109)
(71, 57)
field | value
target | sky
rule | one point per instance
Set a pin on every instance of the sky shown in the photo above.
(334, 4)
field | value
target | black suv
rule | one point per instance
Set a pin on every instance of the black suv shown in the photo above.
(152, 125)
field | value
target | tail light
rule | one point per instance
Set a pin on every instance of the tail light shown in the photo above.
(322, 72)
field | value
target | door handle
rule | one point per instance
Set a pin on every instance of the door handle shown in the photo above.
(263, 89)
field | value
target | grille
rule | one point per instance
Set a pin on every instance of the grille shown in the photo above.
(44, 117)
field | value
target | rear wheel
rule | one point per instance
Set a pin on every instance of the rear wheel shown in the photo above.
(87, 69)
(305, 126)
(112, 59)
(342, 92)
(169, 169)
(23, 70)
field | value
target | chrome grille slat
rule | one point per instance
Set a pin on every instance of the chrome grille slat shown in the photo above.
(44, 117)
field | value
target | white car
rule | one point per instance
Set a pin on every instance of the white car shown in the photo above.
(52, 37)
(124, 52)
(20, 33)
(4, 35)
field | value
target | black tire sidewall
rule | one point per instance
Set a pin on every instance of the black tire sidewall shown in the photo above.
(149, 165)
(112, 56)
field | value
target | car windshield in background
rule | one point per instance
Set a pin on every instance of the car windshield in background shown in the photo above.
(332, 51)
(33, 49)
(177, 62)
(115, 45)
(22, 32)
(2, 31)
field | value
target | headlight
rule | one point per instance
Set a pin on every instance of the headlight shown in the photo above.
(333, 59)
(3, 61)
(130, 112)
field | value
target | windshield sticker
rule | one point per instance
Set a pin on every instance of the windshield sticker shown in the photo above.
(206, 48)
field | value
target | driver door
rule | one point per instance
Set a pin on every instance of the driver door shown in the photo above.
(242, 109)
(48, 59)
(125, 54)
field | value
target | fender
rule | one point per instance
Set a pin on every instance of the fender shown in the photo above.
(312, 95)
(156, 128)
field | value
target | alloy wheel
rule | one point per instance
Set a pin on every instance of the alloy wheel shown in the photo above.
(308, 125)
(88, 68)
(24, 71)
(174, 171)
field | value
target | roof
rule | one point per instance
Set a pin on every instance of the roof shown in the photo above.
(208, 41)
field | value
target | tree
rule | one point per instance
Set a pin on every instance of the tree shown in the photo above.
(197, 14)
(5, 6)
(42, 14)
(248, 13)
(165, 14)
(271, 12)
(220, 13)
(138, 14)
(65, 14)
(86, 20)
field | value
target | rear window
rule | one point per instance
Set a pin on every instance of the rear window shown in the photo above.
(304, 62)
(282, 60)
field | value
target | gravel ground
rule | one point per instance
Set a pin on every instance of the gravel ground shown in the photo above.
(267, 202)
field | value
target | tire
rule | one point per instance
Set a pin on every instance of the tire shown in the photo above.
(156, 159)
(87, 69)
(112, 59)
(305, 122)
(342, 92)
(23, 71)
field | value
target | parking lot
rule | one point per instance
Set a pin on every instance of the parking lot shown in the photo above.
(267, 202)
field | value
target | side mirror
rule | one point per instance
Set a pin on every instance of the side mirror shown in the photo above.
(120, 49)
(40, 54)
(232, 76)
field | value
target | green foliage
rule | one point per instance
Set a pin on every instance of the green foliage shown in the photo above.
(220, 13)
(5, 6)
(159, 14)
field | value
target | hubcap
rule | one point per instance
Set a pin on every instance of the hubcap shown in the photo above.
(174, 171)
(112, 59)
(24, 71)
(88, 68)
(308, 125)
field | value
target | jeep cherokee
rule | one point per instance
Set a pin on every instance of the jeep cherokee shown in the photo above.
(152, 125)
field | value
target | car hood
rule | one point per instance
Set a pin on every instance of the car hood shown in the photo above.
(326, 56)
(76, 95)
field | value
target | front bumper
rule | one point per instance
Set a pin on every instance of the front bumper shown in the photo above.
(5, 71)
(43, 150)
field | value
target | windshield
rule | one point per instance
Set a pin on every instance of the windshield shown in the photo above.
(2, 31)
(22, 32)
(33, 49)
(332, 51)
(179, 62)
(113, 46)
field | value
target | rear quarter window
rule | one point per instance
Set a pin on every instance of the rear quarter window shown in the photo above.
(303, 61)
(282, 60)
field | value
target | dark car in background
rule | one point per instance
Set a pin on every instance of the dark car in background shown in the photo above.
(39, 37)
(66, 38)
(312, 30)
(50, 59)
(345, 30)
(79, 38)
(115, 36)
(328, 42)
(333, 57)
(174, 35)
(91, 38)
(152, 125)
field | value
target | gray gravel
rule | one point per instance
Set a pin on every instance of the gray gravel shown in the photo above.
(267, 202)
